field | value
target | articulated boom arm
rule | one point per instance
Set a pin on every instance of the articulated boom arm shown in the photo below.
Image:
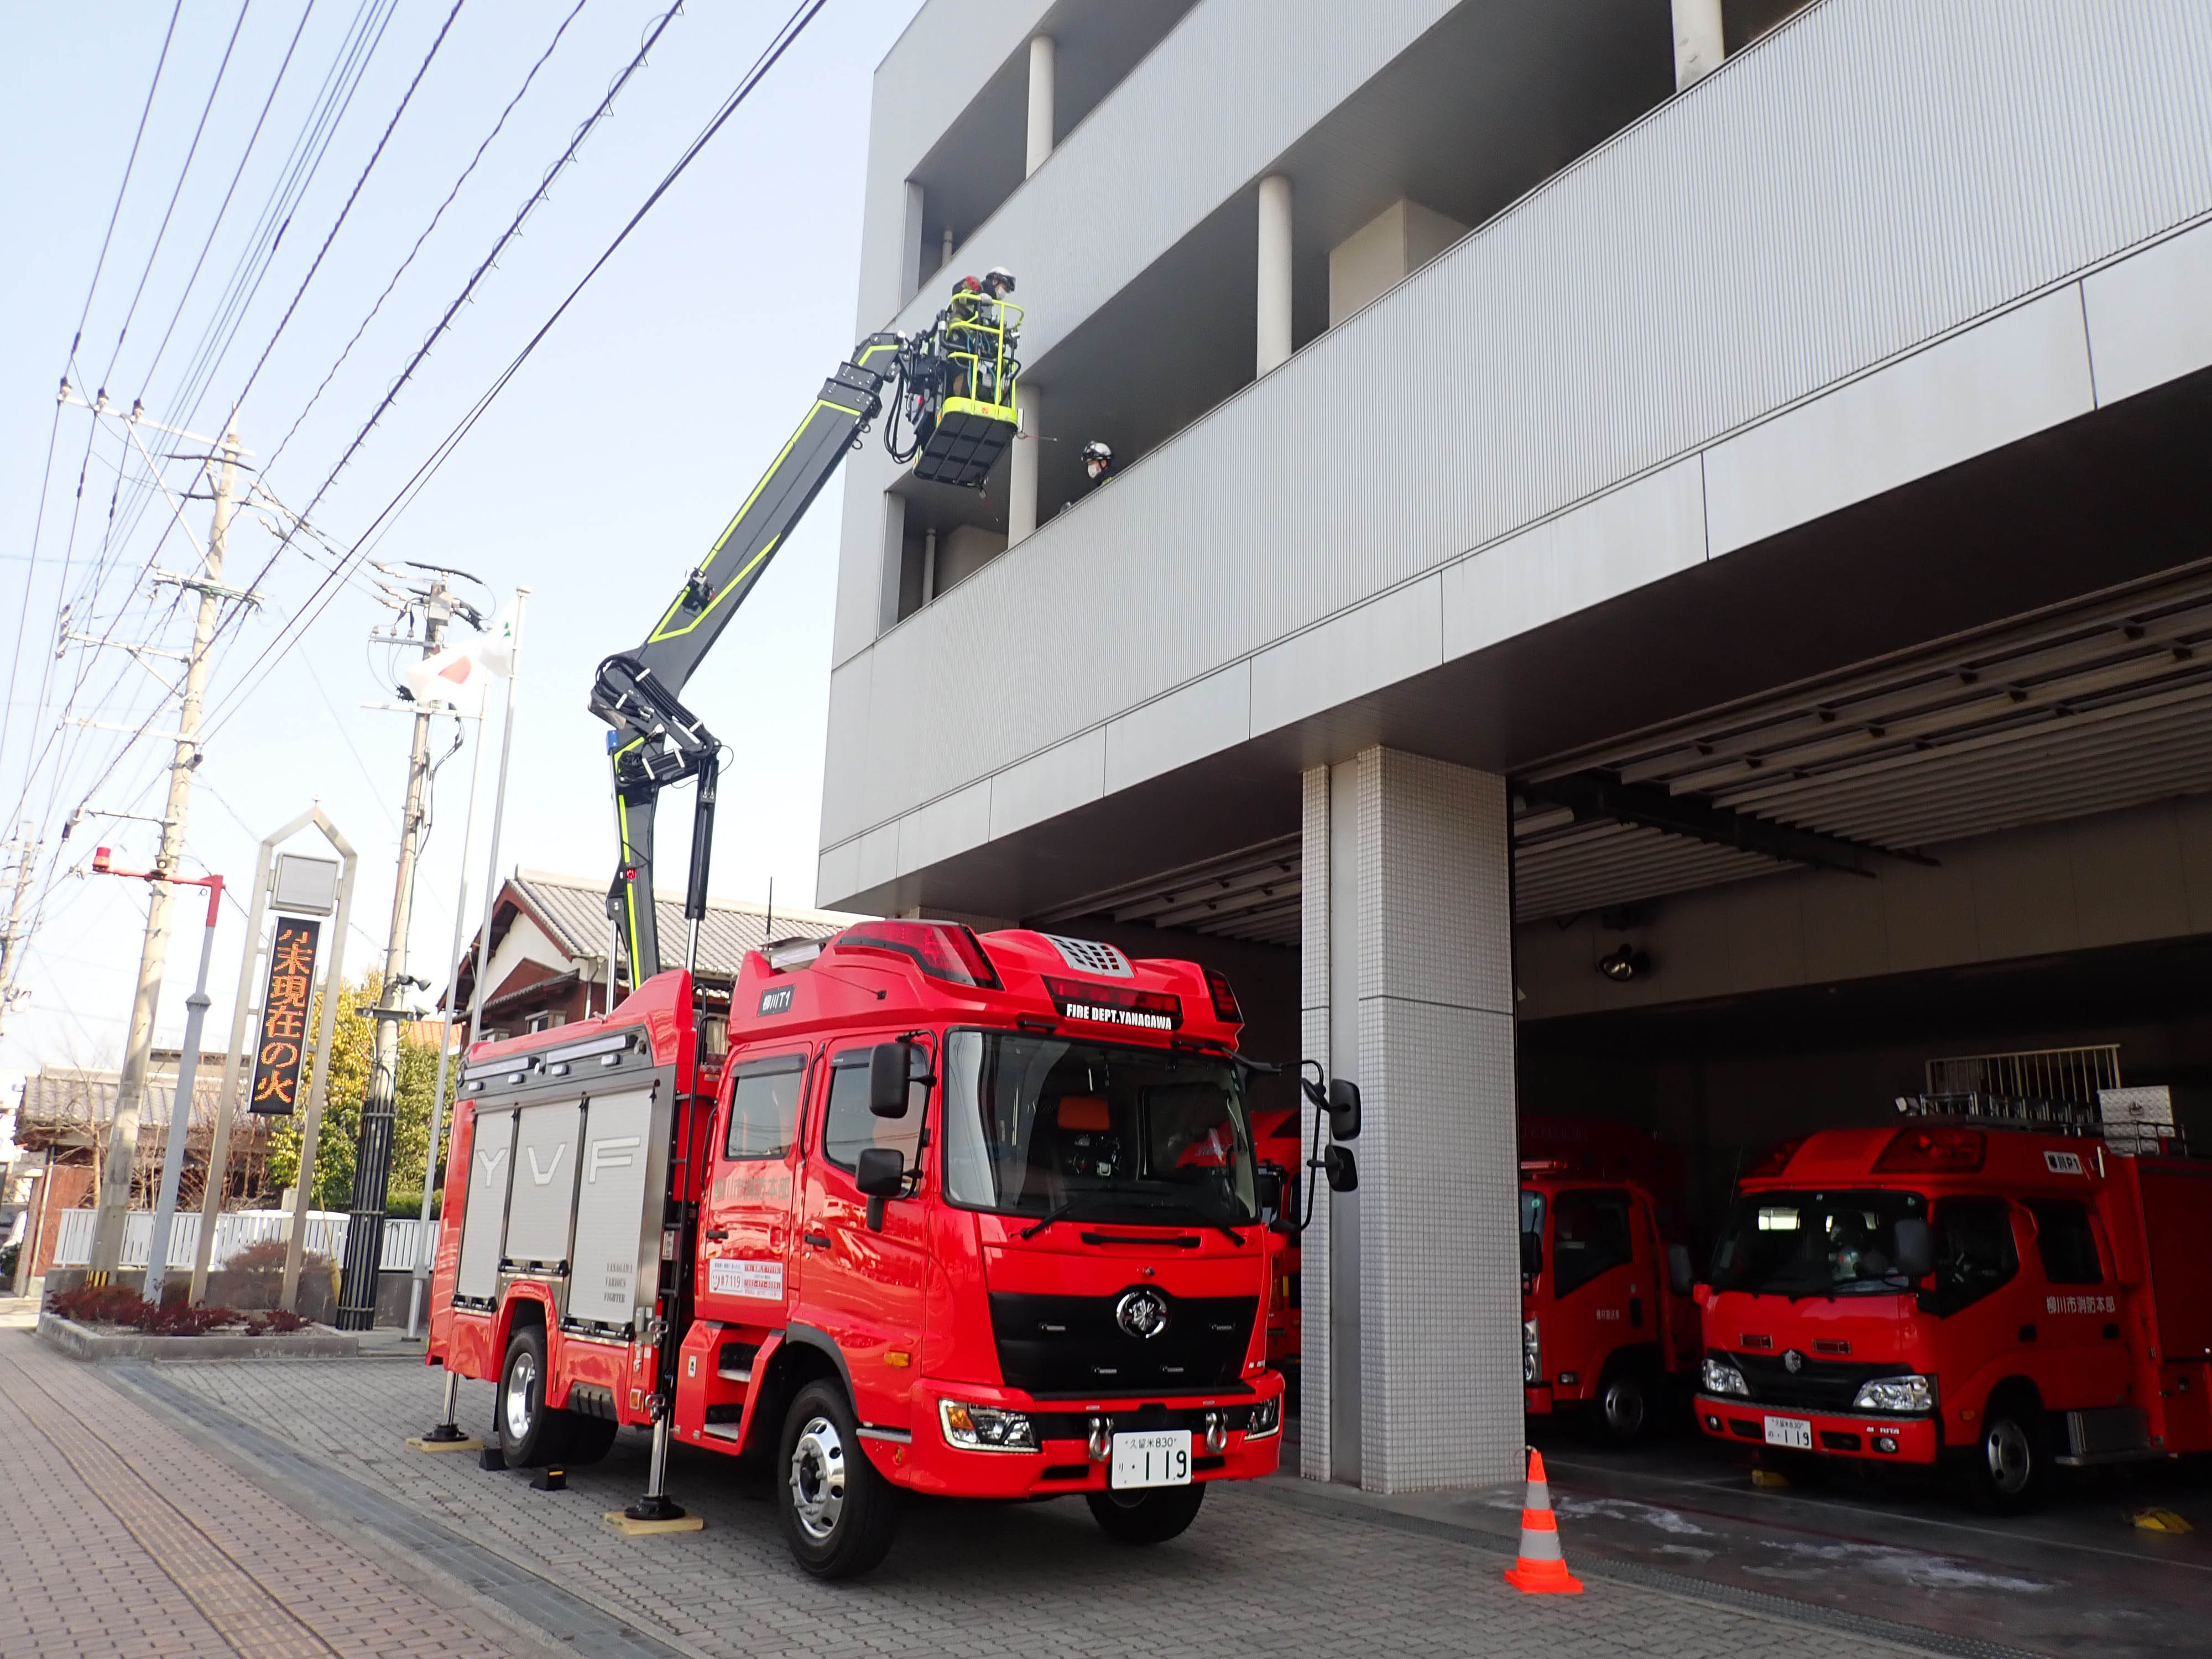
(656, 741)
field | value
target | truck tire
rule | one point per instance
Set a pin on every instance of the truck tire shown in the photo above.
(1151, 1517)
(2007, 1466)
(530, 1432)
(839, 1515)
(1621, 1414)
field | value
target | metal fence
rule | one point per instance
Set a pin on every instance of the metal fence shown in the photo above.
(2072, 1075)
(234, 1231)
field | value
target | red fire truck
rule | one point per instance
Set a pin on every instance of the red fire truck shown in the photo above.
(969, 1216)
(2005, 1296)
(1609, 1330)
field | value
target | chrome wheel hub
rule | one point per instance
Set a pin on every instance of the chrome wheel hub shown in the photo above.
(2011, 1460)
(521, 1377)
(1623, 1407)
(818, 1478)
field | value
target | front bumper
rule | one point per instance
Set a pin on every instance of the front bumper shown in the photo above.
(1062, 1464)
(1869, 1437)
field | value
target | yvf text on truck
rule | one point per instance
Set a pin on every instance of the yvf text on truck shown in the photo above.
(972, 1217)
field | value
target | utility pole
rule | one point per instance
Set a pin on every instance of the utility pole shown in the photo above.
(11, 941)
(153, 957)
(372, 1166)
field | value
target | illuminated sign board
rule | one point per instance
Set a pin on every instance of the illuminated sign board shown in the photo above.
(287, 1002)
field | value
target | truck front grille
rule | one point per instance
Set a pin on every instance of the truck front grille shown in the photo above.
(1074, 1345)
(1818, 1385)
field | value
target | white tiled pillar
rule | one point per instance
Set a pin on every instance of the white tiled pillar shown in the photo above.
(1315, 1353)
(1412, 1373)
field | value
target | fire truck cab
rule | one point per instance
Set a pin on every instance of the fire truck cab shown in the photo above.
(969, 1216)
(2005, 1297)
(1608, 1327)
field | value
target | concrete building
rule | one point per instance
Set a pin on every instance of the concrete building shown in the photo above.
(1660, 570)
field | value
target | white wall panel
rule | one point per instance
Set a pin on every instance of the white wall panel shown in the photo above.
(2150, 316)
(1639, 533)
(1362, 650)
(959, 821)
(1044, 786)
(2018, 374)
(1186, 724)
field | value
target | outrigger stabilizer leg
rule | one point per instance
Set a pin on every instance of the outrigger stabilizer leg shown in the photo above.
(447, 1431)
(656, 1505)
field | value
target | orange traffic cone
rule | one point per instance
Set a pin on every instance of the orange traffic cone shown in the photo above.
(1540, 1570)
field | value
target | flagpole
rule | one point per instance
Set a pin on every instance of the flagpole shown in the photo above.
(498, 821)
(445, 1432)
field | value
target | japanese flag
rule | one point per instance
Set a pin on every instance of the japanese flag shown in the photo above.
(457, 676)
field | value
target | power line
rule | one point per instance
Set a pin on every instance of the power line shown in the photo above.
(793, 27)
(122, 189)
(497, 126)
(352, 196)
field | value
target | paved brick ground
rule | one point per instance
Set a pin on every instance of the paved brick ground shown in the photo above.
(1256, 1575)
(125, 1538)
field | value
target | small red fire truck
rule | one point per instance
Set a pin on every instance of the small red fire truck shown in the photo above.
(969, 1216)
(2000, 1294)
(1609, 1328)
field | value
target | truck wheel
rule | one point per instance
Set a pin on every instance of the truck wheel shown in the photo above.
(1623, 1407)
(839, 1515)
(530, 1432)
(2007, 1467)
(590, 1438)
(1150, 1516)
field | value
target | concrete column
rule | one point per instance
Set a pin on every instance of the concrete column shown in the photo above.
(910, 248)
(1021, 467)
(1274, 341)
(1041, 87)
(1699, 46)
(1413, 1288)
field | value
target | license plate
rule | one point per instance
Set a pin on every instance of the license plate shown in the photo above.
(1794, 1432)
(1161, 1458)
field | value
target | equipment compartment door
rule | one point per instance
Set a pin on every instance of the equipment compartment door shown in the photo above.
(542, 1188)
(491, 1164)
(619, 1200)
(864, 1285)
(744, 1225)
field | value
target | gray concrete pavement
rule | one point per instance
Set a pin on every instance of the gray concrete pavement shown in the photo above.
(1262, 1572)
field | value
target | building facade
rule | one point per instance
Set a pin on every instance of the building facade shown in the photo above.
(1657, 565)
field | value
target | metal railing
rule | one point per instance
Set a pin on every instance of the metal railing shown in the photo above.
(234, 1231)
(2073, 1076)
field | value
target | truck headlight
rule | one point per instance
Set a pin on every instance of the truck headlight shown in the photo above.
(984, 1428)
(1532, 1352)
(1267, 1419)
(1721, 1377)
(1896, 1393)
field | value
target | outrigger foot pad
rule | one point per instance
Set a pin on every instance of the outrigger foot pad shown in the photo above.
(654, 1507)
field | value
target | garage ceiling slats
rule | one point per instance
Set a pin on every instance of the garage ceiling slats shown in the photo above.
(2092, 706)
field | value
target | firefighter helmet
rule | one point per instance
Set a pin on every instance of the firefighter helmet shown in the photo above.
(1097, 458)
(999, 282)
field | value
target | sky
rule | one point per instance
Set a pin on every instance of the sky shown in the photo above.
(600, 476)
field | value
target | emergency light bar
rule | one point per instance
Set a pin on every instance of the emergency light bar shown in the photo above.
(2051, 1116)
(1115, 1005)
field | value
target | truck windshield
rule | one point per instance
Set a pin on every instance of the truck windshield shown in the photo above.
(1039, 1126)
(1799, 1244)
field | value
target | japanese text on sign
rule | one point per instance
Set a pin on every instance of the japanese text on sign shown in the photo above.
(286, 1005)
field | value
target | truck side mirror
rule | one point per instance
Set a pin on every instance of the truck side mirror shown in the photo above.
(887, 1079)
(1532, 1255)
(1341, 1168)
(1343, 1111)
(879, 1174)
(1269, 1180)
(1916, 1248)
(1680, 1274)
